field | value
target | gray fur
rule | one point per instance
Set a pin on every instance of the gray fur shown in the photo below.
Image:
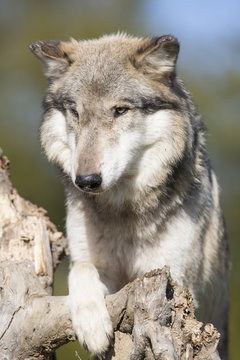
(115, 107)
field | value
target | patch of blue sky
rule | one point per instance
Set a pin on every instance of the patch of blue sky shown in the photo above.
(209, 31)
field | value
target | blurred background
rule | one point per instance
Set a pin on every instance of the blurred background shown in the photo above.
(209, 63)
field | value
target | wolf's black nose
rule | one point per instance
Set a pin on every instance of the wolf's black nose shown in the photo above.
(88, 182)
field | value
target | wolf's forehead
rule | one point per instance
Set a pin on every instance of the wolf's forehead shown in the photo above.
(107, 48)
(107, 56)
(99, 73)
(103, 69)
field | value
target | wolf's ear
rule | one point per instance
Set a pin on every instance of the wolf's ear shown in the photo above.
(157, 56)
(55, 56)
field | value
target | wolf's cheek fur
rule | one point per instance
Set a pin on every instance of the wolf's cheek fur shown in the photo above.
(55, 140)
(164, 141)
(157, 140)
(117, 162)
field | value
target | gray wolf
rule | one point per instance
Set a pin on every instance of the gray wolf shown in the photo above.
(140, 191)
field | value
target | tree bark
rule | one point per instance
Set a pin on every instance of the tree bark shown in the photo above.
(153, 317)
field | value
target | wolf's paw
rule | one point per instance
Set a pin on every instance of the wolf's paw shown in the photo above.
(93, 327)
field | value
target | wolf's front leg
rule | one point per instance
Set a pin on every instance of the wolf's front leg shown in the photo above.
(90, 317)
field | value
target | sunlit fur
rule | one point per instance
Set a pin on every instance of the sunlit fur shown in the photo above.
(158, 202)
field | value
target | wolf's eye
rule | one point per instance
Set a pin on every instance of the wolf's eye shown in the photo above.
(120, 111)
(74, 113)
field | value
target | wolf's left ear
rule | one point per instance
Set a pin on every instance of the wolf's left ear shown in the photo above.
(55, 56)
(157, 56)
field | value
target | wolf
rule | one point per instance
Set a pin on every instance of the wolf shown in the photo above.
(140, 190)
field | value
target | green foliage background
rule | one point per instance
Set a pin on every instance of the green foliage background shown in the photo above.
(22, 86)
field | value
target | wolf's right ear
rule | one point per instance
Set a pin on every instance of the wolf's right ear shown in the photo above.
(55, 56)
(157, 56)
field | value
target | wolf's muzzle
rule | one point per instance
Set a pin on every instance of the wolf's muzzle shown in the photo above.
(89, 182)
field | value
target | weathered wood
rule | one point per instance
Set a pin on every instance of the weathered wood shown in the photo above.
(153, 317)
(32, 323)
(160, 315)
(26, 232)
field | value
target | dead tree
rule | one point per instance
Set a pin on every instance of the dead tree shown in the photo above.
(153, 317)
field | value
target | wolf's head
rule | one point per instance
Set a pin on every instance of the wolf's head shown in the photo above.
(114, 110)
